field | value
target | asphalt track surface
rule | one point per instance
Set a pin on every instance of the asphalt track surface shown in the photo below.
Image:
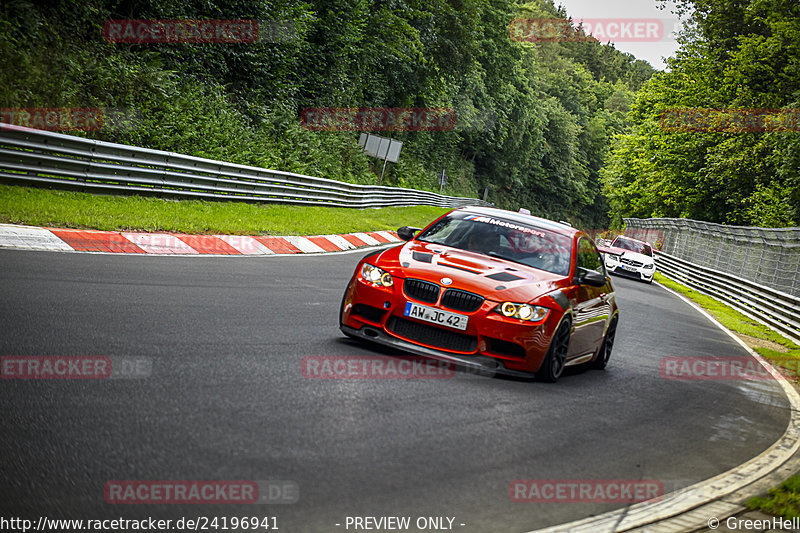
(226, 400)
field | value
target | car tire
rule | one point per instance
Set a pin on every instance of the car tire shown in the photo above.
(556, 358)
(607, 347)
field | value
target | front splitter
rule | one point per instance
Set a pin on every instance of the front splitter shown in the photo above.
(478, 364)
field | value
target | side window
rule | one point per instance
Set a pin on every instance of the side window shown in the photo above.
(589, 257)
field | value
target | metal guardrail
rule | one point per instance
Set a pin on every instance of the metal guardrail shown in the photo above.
(766, 256)
(36, 157)
(754, 270)
(776, 309)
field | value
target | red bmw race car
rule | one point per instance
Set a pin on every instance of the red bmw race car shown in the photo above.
(490, 290)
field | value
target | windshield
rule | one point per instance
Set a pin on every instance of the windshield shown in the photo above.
(526, 244)
(633, 245)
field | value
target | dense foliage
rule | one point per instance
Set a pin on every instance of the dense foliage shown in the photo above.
(735, 54)
(534, 120)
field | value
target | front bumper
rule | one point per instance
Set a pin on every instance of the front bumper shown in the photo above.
(639, 273)
(480, 364)
(490, 344)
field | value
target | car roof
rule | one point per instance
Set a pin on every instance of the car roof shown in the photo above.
(530, 220)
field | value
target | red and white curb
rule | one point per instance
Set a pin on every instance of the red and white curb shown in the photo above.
(76, 240)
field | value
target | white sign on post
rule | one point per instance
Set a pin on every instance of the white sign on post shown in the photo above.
(380, 147)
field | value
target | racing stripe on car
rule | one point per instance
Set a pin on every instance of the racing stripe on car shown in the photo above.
(372, 254)
(560, 298)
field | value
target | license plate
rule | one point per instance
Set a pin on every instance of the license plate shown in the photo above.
(628, 268)
(436, 316)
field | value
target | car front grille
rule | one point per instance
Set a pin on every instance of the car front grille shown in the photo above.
(432, 336)
(461, 300)
(421, 290)
(631, 262)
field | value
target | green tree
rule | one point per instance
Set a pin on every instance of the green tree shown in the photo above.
(736, 55)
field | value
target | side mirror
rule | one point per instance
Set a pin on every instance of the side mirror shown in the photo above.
(590, 277)
(407, 232)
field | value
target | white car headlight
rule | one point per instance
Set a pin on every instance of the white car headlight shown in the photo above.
(650, 266)
(376, 276)
(531, 313)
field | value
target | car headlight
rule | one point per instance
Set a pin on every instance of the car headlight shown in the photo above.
(376, 276)
(649, 267)
(531, 313)
(612, 258)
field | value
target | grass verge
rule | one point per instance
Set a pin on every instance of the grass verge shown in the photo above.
(783, 500)
(64, 209)
(762, 339)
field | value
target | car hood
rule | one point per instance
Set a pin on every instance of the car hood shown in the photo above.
(633, 256)
(494, 278)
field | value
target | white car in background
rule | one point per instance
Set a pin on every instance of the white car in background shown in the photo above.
(635, 259)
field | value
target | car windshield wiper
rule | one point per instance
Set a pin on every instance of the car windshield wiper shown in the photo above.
(499, 256)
